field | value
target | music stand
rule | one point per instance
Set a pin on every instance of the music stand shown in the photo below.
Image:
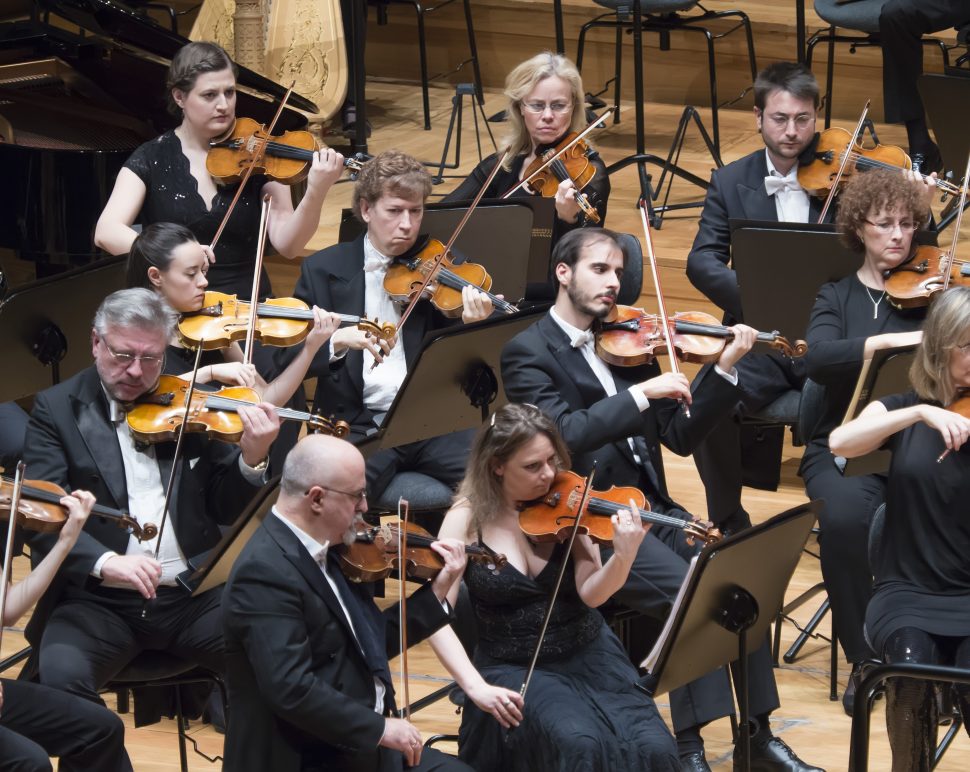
(211, 569)
(732, 592)
(947, 102)
(47, 326)
(886, 373)
(454, 383)
(511, 237)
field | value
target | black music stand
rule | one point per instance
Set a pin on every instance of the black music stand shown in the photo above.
(47, 326)
(453, 385)
(511, 237)
(732, 592)
(211, 569)
(947, 102)
(886, 373)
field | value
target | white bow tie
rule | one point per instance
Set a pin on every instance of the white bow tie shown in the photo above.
(376, 263)
(580, 339)
(775, 184)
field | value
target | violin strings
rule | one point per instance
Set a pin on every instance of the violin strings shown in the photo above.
(458, 283)
(52, 498)
(612, 508)
(872, 163)
(301, 314)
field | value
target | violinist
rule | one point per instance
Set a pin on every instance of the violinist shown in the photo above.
(306, 649)
(582, 710)
(879, 212)
(112, 598)
(919, 611)
(389, 197)
(545, 102)
(166, 180)
(36, 721)
(618, 417)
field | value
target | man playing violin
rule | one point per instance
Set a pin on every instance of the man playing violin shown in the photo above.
(618, 417)
(115, 597)
(348, 278)
(306, 649)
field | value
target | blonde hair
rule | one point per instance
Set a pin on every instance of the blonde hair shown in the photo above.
(946, 328)
(520, 83)
(510, 427)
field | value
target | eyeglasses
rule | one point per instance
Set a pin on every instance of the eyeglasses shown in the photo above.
(126, 360)
(538, 108)
(357, 496)
(964, 349)
(889, 227)
(781, 121)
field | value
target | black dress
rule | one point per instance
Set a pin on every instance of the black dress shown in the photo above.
(844, 315)
(597, 190)
(582, 711)
(921, 563)
(172, 196)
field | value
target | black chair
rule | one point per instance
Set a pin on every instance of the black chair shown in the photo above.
(631, 284)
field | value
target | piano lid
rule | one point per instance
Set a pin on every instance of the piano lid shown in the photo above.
(119, 22)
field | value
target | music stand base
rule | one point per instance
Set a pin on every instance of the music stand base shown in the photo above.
(454, 129)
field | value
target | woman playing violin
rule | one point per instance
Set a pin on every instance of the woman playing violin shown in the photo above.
(879, 213)
(166, 180)
(36, 721)
(920, 606)
(581, 710)
(545, 102)
(167, 258)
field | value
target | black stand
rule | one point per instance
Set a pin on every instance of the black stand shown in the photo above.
(47, 324)
(454, 127)
(453, 384)
(733, 590)
(947, 102)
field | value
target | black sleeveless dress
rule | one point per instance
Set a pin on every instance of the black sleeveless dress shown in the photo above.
(582, 711)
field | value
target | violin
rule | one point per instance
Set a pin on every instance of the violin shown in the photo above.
(374, 555)
(630, 336)
(406, 274)
(157, 416)
(285, 158)
(960, 406)
(551, 518)
(40, 509)
(224, 319)
(568, 160)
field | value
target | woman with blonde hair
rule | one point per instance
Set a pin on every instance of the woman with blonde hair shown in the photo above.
(920, 607)
(546, 101)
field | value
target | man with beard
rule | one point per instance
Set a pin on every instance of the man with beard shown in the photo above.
(306, 650)
(618, 417)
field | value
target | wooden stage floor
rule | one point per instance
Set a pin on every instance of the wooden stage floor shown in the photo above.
(815, 727)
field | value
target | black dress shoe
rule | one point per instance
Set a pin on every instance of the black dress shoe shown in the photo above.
(694, 762)
(773, 755)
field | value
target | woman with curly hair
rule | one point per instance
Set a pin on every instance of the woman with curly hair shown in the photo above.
(879, 212)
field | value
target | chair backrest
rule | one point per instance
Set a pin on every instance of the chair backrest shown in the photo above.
(811, 406)
(631, 285)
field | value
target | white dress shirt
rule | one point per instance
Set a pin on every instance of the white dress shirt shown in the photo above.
(791, 202)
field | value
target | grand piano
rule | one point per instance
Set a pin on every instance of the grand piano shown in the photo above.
(81, 86)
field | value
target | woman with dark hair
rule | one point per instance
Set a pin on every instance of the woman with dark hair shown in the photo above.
(166, 257)
(582, 710)
(879, 213)
(920, 607)
(546, 101)
(166, 180)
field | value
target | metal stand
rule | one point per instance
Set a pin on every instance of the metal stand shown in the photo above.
(454, 128)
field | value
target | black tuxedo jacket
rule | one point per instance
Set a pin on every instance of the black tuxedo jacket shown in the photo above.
(539, 366)
(737, 191)
(71, 442)
(300, 686)
(333, 279)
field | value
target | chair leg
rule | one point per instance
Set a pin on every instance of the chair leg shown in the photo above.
(473, 50)
(830, 78)
(618, 56)
(180, 719)
(712, 74)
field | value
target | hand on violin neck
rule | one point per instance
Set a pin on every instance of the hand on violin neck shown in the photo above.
(347, 338)
(325, 324)
(452, 552)
(567, 209)
(628, 533)
(325, 169)
(667, 386)
(476, 305)
(744, 339)
(78, 504)
(927, 185)
(139, 572)
(261, 425)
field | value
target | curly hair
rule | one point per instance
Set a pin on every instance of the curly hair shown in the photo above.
(947, 327)
(519, 84)
(392, 172)
(510, 427)
(866, 194)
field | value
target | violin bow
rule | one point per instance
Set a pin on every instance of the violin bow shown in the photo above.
(257, 155)
(956, 228)
(257, 275)
(402, 542)
(18, 484)
(170, 485)
(845, 160)
(429, 277)
(587, 492)
(579, 137)
(661, 304)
